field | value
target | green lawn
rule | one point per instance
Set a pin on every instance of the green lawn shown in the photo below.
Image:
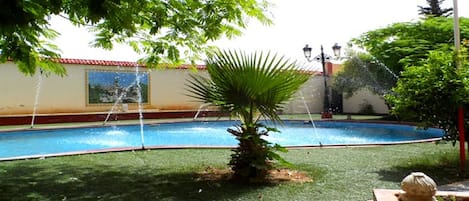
(338, 174)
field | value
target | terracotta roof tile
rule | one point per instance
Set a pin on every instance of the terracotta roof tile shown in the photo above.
(116, 63)
(133, 64)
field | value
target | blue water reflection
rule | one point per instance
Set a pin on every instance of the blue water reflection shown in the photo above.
(293, 133)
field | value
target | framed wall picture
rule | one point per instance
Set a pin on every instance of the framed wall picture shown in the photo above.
(109, 87)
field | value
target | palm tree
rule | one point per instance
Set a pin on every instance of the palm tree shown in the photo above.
(251, 87)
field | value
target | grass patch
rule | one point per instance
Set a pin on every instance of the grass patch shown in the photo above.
(337, 173)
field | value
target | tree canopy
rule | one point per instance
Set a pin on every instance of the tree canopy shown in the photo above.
(432, 91)
(361, 70)
(408, 43)
(389, 50)
(169, 31)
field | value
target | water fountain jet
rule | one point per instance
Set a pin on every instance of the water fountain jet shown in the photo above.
(140, 108)
(118, 100)
(200, 109)
(307, 109)
(36, 98)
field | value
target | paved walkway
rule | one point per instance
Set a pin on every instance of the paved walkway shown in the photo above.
(458, 186)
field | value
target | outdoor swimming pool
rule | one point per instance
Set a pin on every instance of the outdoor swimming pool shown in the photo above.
(37, 143)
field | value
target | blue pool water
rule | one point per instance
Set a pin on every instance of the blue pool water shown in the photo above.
(293, 133)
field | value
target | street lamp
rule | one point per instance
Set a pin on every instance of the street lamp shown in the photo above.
(323, 58)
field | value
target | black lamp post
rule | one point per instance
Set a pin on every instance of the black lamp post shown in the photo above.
(323, 58)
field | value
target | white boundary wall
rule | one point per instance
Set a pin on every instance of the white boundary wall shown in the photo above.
(68, 94)
(364, 96)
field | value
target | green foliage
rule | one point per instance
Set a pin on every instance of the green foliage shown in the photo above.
(249, 86)
(392, 48)
(161, 30)
(430, 93)
(446, 198)
(408, 43)
(25, 36)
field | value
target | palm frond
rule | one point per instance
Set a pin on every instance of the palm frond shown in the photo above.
(245, 83)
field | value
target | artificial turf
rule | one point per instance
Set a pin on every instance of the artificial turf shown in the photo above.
(347, 173)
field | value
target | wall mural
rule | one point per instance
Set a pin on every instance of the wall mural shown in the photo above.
(106, 87)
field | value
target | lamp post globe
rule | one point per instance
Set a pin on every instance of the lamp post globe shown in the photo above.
(307, 51)
(336, 48)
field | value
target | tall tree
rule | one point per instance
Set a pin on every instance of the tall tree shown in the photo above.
(169, 30)
(434, 9)
(406, 43)
(390, 49)
(249, 86)
(431, 92)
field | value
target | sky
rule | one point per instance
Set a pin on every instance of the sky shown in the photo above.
(296, 23)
